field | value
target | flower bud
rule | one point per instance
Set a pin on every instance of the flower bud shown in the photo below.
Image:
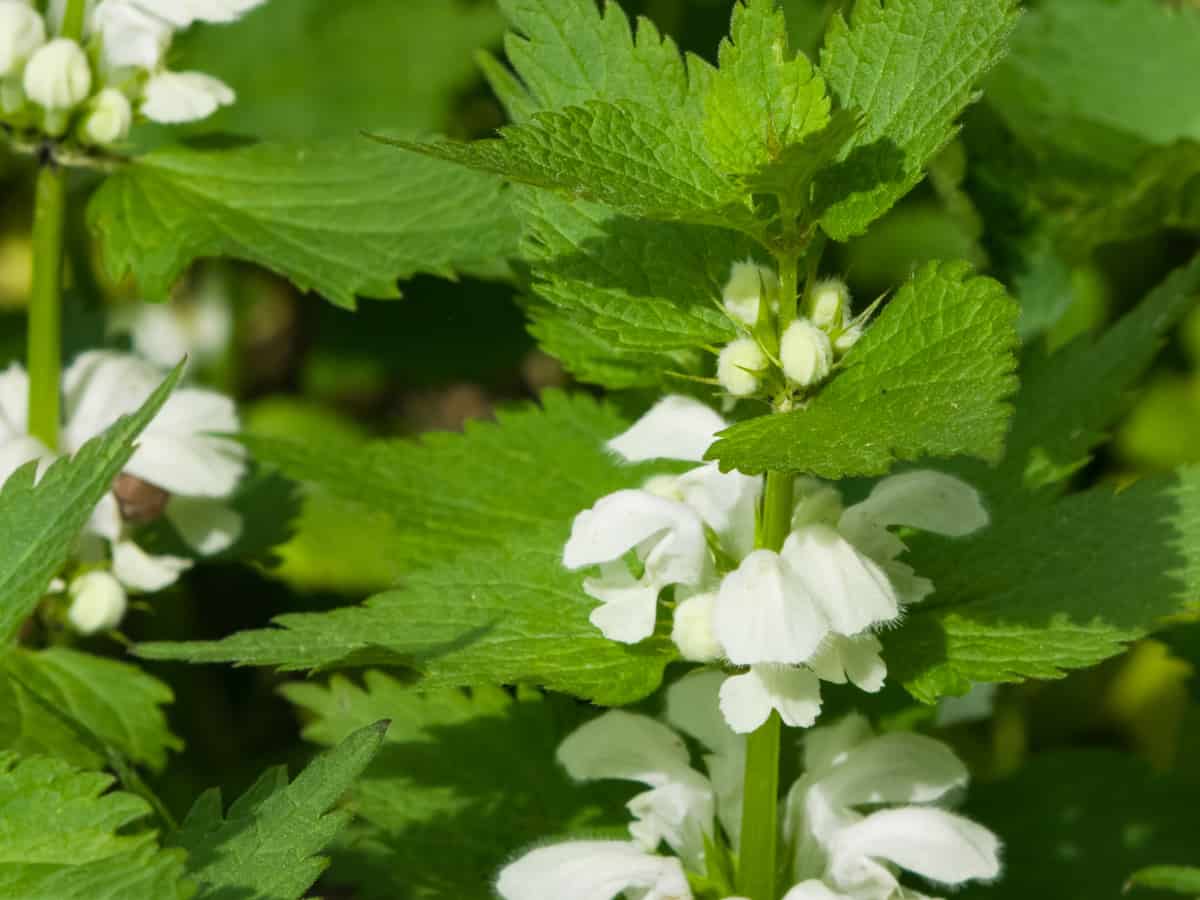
(58, 76)
(693, 632)
(806, 353)
(22, 31)
(97, 603)
(108, 120)
(738, 365)
(749, 284)
(848, 338)
(829, 303)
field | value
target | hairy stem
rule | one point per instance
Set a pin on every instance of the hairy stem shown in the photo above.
(788, 274)
(73, 19)
(45, 304)
(760, 813)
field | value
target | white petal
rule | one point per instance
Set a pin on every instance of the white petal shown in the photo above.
(814, 890)
(679, 814)
(692, 628)
(14, 401)
(692, 707)
(98, 603)
(178, 453)
(98, 388)
(764, 614)
(895, 768)
(620, 522)
(726, 501)
(853, 659)
(131, 36)
(676, 427)
(925, 500)
(592, 870)
(747, 700)
(207, 526)
(976, 705)
(629, 607)
(853, 591)
(182, 13)
(932, 843)
(627, 746)
(176, 97)
(830, 745)
(909, 586)
(139, 571)
(20, 449)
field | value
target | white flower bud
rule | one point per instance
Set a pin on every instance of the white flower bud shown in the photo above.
(22, 31)
(806, 353)
(737, 365)
(848, 338)
(829, 303)
(58, 76)
(109, 118)
(749, 284)
(97, 603)
(693, 631)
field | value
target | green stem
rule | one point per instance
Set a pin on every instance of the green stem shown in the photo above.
(788, 274)
(759, 855)
(73, 19)
(45, 304)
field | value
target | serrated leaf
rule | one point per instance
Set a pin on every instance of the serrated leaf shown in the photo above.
(486, 519)
(60, 840)
(118, 703)
(930, 378)
(343, 217)
(434, 821)
(1179, 879)
(266, 846)
(1075, 824)
(910, 67)
(1054, 588)
(39, 523)
(763, 99)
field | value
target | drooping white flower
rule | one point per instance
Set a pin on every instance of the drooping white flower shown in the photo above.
(739, 366)
(593, 870)
(676, 427)
(58, 76)
(748, 699)
(22, 32)
(856, 660)
(173, 98)
(806, 353)
(108, 119)
(199, 327)
(749, 286)
(98, 603)
(678, 809)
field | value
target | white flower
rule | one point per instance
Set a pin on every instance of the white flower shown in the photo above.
(182, 13)
(678, 809)
(22, 31)
(131, 35)
(739, 365)
(849, 768)
(108, 120)
(98, 603)
(173, 98)
(851, 659)
(593, 870)
(977, 704)
(806, 353)
(58, 76)
(692, 629)
(199, 328)
(676, 427)
(747, 700)
(829, 303)
(748, 286)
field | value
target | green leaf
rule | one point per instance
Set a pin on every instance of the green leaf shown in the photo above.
(929, 379)
(343, 217)
(266, 846)
(328, 62)
(910, 67)
(63, 838)
(1180, 879)
(39, 523)
(486, 515)
(1053, 588)
(1076, 823)
(117, 703)
(763, 99)
(463, 782)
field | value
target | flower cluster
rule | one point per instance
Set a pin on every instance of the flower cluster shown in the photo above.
(803, 355)
(182, 470)
(92, 89)
(788, 619)
(867, 808)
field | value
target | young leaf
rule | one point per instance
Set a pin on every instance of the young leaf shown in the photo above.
(343, 217)
(1054, 588)
(930, 378)
(1178, 879)
(910, 67)
(433, 821)
(63, 838)
(120, 704)
(39, 523)
(265, 847)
